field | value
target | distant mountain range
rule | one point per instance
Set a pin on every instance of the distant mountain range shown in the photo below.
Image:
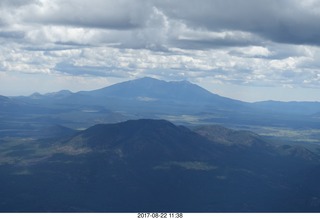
(179, 101)
(156, 166)
(175, 92)
(145, 95)
(114, 150)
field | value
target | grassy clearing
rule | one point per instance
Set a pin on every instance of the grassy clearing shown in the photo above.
(308, 138)
(299, 135)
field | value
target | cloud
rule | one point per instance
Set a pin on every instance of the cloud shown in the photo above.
(91, 71)
(10, 9)
(12, 34)
(284, 21)
(230, 42)
(121, 14)
(205, 40)
(161, 24)
(16, 3)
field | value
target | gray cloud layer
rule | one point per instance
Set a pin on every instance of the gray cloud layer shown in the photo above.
(177, 23)
(246, 42)
(286, 21)
(120, 14)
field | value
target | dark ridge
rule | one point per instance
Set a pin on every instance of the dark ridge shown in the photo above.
(146, 138)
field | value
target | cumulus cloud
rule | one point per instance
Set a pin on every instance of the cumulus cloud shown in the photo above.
(12, 34)
(201, 24)
(15, 3)
(121, 14)
(90, 71)
(230, 42)
(285, 21)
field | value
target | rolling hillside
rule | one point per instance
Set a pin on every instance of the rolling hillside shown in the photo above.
(156, 166)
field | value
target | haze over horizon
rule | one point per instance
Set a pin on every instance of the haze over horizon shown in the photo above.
(247, 50)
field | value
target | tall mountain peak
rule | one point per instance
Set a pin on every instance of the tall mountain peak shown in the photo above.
(144, 138)
(158, 89)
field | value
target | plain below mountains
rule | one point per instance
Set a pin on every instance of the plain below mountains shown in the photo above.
(145, 95)
(157, 95)
(178, 101)
(156, 166)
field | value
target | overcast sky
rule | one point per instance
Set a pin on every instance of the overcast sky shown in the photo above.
(244, 49)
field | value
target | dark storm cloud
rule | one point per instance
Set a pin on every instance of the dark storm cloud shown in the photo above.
(285, 21)
(159, 24)
(121, 14)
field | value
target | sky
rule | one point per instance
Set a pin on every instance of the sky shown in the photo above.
(250, 50)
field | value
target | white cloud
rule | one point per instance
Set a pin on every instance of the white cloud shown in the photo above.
(121, 14)
(99, 42)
